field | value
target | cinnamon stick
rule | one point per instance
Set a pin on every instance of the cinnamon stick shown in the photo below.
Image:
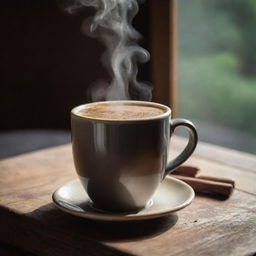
(223, 180)
(209, 186)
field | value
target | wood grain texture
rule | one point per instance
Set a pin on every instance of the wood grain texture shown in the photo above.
(209, 226)
(163, 49)
(162, 41)
(243, 173)
(220, 154)
(173, 57)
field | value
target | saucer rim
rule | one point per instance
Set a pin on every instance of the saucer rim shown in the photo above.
(122, 217)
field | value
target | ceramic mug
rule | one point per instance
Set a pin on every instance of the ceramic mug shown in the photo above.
(120, 163)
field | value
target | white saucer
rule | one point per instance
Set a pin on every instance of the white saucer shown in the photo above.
(171, 195)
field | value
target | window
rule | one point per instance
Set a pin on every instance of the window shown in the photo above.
(217, 70)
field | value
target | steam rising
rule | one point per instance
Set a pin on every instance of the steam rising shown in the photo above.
(112, 23)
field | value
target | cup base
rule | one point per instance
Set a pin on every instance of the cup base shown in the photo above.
(96, 208)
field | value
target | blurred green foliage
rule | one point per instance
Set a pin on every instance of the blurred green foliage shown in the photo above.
(243, 15)
(217, 62)
(212, 91)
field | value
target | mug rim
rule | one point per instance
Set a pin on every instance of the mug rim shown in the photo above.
(167, 111)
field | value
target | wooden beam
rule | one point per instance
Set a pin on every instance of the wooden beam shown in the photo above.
(173, 69)
(163, 48)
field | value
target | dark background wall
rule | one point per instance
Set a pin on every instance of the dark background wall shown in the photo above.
(46, 63)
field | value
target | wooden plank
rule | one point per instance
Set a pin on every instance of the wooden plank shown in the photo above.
(220, 154)
(228, 225)
(38, 232)
(207, 227)
(34, 177)
(219, 167)
(244, 181)
(59, 158)
(29, 220)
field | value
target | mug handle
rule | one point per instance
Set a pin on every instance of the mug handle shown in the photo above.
(189, 149)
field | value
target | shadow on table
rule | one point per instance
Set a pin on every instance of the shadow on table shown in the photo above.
(100, 230)
(212, 196)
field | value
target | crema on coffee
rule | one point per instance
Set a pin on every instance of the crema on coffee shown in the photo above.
(119, 111)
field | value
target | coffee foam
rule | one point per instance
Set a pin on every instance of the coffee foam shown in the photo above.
(119, 111)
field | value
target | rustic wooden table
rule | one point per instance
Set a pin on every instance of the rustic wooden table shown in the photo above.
(209, 226)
